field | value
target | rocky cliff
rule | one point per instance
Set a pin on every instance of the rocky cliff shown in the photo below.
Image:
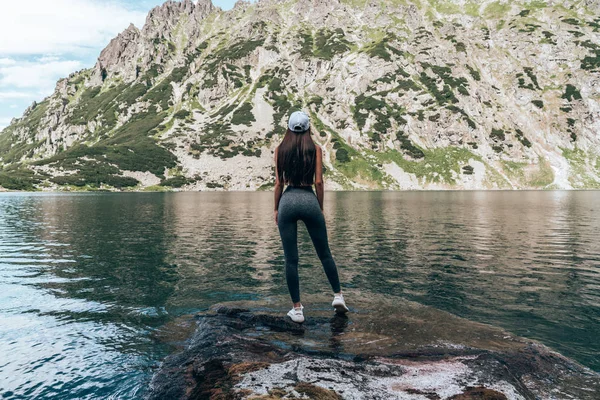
(403, 94)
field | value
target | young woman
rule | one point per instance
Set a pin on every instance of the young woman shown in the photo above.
(299, 163)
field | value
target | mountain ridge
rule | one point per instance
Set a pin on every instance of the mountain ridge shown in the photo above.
(402, 95)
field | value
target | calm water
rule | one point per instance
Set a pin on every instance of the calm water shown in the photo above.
(88, 280)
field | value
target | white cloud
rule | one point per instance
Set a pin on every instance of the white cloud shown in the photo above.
(41, 75)
(48, 58)
(14, 95)
(42, 41)
(62, 26)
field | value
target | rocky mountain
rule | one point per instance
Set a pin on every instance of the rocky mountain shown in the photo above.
(403, 94)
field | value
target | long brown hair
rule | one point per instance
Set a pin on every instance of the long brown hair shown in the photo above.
(296, 158)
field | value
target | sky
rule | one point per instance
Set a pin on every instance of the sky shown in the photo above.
(43, 41)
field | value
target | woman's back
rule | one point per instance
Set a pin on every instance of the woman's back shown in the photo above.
(297, 159)
(308, 170)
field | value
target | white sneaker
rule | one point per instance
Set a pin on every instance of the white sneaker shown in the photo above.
(296, 314)
(339, 304)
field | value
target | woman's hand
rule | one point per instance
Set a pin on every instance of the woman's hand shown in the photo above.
(276, 215)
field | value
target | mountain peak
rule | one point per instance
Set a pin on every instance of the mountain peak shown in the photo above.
(172, 10)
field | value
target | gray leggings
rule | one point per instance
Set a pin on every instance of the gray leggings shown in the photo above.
(302, 204)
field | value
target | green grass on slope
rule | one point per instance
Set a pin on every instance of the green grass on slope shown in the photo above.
(324, 43)
(104, 106)
(437, 165)
(12, 149)
(543, 177)
(581, 166)
(243, 115)
(161, 93)
(445, 96)
(274, 80)
(350, 165)
(496, 9)
(328, 43)
(223, 57)
(19, 177)
(131, 147)
(377, 105)
(445, 7)
(94, 174)
(382, 48)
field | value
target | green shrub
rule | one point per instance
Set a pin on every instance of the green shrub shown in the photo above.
(408, 146)
(182, 114)
(306, 44)
(363, 102)
(92, 104)
(382, 49)
(497, 134)
(407, 84)
(329, 43)
(93, 173)
(530, 74)
(238, 50)
(317, 100)
(571, 93)
(521, 138)
(474, 73)
(243, 115)
(162, 92)
(175, 182)
(16, 177)
(570, 21)
(442, 97)
(591, 62)
(341, 155)
(196, 52)
(538, 103)
(129, 148)
(465, 116)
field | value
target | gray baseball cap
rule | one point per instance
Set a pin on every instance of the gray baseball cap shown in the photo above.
(299, 122)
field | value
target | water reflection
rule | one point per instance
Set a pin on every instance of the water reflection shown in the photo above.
(86, 280)
(339, 324)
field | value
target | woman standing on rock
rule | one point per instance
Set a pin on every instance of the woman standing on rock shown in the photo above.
(299, 163)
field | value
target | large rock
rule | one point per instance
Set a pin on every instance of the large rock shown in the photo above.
(414, 353)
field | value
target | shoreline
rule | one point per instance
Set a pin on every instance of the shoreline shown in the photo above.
(2, 191)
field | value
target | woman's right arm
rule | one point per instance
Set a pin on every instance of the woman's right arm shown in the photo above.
(319, 177)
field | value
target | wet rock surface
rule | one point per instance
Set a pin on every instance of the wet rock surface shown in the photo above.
(250, 350)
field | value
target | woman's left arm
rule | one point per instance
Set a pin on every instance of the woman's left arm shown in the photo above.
(278, 187)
